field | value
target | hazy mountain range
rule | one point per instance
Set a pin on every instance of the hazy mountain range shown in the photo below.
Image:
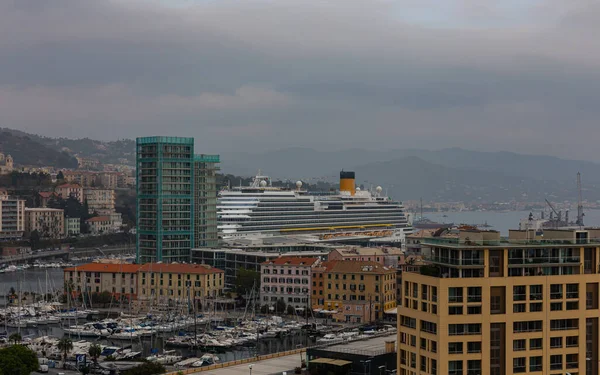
(441, 175)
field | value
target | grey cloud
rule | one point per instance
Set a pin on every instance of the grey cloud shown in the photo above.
(325, 74)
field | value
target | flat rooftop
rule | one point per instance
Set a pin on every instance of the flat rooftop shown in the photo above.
(374, 346)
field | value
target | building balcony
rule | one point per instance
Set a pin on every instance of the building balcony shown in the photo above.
(475, 263)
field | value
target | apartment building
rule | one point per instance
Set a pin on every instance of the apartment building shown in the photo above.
(165, 199)
(485, 305)
(100, 201)
(72, 226)
(83, 178)
(167, 283)
(48, 222)
(105, 224)
(121, 280)
(386, 256)
(354, 291)
(65, 191)
(287, 279)
(12, 217)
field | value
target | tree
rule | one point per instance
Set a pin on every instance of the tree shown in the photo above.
(280, 306)
(95, 351)
(60, 176)
(246, 280)
(65, 345)
(15, 338)
(34, 239)
(147, 368)
(291, 310)
(18, 360)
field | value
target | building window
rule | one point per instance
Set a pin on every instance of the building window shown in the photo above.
(572, 341)
(519, 345)
(455, 295)
(556, 362)
(474, 294)
(474, 347)
(555, 342)
(474, 310)
(474, 367)
(572, 290)
(535, 292)
(573, 305)
(455, 310)
(556, 306)
(535, 344)
(536, 307)
(428, 327)
(519, 365)
(529, 326)
(519, 293)
(423, 364)
(564, 324)
(535, 364)
(556, 291)
(572, 361)
(519, 308)
(455, 368)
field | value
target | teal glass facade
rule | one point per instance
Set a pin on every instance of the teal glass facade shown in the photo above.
(165, 199)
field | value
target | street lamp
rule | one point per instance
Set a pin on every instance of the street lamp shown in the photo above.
(250, 367)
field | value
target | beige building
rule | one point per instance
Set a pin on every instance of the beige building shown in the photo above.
(105, 224)
(287, 279)
(386, 256)
(171, 283)
(482, 305)
(100, 201)
(118, 279)
(65, 191)
(48, 222)
(12, 217)
(6, 164)
(353, 291)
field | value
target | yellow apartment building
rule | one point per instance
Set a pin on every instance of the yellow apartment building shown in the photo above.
(482, 305)
(354, 291)
(118, 279)
(169, 283)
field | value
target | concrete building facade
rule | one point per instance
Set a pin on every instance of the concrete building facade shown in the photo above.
(72, 226)
(48, 222)
(287, 279)
(12, 218)
(65, 191)
(354, 291)
(386, 256)
(482, 305)
(100, 201)
(178, 283)
(205, 200)
(121, 280)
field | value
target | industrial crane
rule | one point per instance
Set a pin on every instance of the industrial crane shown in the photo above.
(580, 213)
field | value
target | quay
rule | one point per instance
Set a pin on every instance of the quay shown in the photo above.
(288, 361)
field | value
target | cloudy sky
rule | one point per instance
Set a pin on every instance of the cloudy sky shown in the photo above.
(517, 75)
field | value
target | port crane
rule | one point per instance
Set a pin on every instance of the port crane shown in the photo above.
(580, 213)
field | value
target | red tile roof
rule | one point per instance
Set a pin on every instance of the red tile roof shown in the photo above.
(46, 194)
(179, 268)
(98, 218)
(69, 186)
(106, 267)
(291, 261)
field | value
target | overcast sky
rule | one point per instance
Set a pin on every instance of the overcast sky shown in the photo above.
(245, 75)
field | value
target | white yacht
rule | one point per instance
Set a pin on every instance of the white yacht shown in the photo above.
(261, 210)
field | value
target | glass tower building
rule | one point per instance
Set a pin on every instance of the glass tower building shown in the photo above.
(169, 201)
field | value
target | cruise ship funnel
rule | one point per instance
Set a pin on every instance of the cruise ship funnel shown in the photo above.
(347, 182)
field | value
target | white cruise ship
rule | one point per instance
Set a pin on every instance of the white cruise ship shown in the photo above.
(261, 210)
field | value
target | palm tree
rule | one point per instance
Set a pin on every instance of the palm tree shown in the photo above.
(15, 338)
(65, 345)
(95, 351)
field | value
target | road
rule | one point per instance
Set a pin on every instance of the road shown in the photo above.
(29, 257)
